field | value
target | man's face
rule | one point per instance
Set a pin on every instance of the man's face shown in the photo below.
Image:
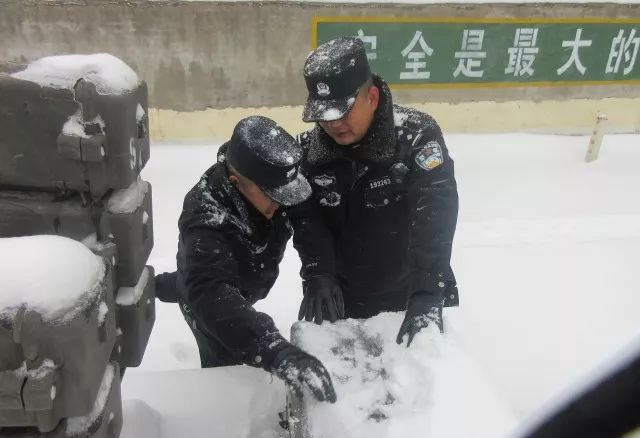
(353, 126)
(256, 197)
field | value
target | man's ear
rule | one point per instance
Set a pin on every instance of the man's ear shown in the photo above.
(373, 96)
(234, 180)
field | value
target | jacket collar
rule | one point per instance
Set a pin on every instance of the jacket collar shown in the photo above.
(378, 144)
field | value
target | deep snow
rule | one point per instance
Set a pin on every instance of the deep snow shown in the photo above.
(545, 255)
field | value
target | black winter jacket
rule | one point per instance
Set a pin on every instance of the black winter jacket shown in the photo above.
(228, 257)
(391, 204)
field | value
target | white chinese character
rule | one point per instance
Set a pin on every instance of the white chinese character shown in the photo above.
(621, 47)
(523, 53)
(372, 41)
(469, 57)
(575, 56)
(416, 58)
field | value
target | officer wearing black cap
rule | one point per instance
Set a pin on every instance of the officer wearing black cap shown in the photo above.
(384, 181)
(234, 227)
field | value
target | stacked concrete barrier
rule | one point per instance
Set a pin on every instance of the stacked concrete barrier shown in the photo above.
(73, 140)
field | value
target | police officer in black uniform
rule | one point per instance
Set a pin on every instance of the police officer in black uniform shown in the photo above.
(234, 227)
(384, 181)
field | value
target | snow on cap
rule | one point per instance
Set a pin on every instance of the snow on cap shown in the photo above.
(269, 156)
(109, 74)
(333, 73)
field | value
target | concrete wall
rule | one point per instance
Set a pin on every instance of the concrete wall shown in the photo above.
(201, 57)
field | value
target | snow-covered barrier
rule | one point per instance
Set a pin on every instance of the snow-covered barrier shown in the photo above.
(57, 329)
(135, 317)
(129, 215)
(124, 218)
(102, 420)
(73, 123)
(73, 139)
(390, 391)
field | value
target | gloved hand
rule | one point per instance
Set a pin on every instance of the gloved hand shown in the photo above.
(302, 372)
(322, 299)
(422, 310)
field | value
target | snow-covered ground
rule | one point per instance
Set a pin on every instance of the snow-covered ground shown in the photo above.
(546, 255)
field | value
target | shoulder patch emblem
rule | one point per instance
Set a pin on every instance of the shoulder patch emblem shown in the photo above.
(430, 156)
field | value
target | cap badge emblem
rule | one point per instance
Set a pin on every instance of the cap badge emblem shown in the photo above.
(323, 89)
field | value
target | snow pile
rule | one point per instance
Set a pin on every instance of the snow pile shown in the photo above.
(55, 276)
(109, 74)
(388, 390)
(128, 200)
(226, 402)
(142, 420)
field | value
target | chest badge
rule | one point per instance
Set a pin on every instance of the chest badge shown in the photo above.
(430, 156)
(324, 180)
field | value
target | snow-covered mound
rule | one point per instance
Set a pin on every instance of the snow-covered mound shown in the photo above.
(109, 74)
(227, 402)
(52, 275)
(387, 390)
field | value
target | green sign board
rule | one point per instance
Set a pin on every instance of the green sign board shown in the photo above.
(469, 52)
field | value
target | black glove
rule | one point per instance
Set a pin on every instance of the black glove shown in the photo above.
(322, 298)
(421, 310)
(166, 288)
(301, 371)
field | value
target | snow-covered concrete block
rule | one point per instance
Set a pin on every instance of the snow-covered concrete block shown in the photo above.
(125, 218)
(57, 313)
(130, 218)
(73, 122)
(135, 310)
(387, 390)
(103, 418)
(25, 213)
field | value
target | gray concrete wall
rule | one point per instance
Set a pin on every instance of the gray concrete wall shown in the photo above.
(199, 55)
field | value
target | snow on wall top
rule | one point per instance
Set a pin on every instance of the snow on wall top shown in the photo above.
(426, 2)
(109, 74)
(52, 275)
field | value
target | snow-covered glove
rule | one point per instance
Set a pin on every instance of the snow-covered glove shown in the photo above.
(322, 299)
(422, 310)
(304, 373)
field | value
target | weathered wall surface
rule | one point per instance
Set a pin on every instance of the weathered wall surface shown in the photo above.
(212, 55)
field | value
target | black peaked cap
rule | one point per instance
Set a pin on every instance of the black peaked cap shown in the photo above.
(333, 73)
(269, 156)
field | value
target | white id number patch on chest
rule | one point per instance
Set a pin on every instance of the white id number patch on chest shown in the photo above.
(380, 182)
(430, 156)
